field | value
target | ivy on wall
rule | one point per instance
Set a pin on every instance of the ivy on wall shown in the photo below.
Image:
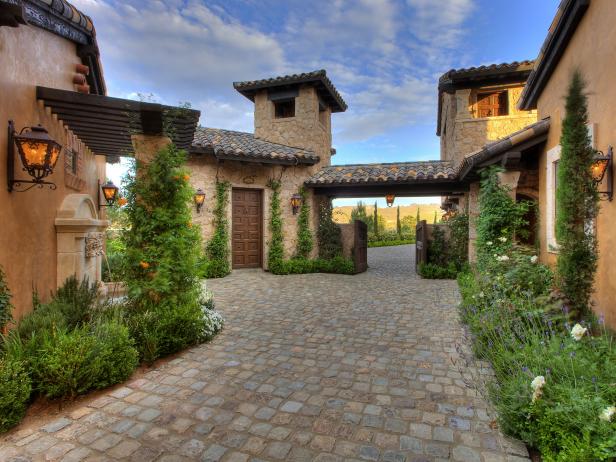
(217, 249)
(305, 242)
(275, 255)
(576, 204)
(5, 302)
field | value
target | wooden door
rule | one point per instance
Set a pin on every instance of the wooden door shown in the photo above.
(492, 104)
(360, 247)
(247, 228)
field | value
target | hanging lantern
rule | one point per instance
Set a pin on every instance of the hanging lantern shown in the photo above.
(38, 153)
(110, 192)
(296, 203)
(199, 199)
(602, 164)
(390, 199)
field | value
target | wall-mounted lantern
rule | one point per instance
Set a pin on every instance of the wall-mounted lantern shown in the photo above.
(296, 203)
(390, 199)
(110, 194)
(199, 199)
(38, 153)
(602, 168)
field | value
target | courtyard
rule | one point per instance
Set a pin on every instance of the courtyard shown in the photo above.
(309, 367)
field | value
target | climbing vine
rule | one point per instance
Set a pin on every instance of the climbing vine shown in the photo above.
(5, 301)
(275, 256)
(329, 234)
(305, 242)
(217, 249)
(577, 204)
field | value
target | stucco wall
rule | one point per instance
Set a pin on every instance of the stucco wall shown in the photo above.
(30, 56)
(203, 175)
(591, 50)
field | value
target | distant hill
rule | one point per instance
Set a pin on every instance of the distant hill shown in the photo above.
(426, 211)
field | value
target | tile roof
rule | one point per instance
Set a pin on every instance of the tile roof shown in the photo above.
(488, 71)
(401, 172)
(324, 86)
(491, 150)
(232, 145)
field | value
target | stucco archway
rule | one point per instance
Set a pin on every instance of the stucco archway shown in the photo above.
(80, 239)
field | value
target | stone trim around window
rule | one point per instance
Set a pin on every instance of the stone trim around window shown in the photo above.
(553, 156)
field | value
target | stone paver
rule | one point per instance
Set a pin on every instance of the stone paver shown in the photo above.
(309, 367)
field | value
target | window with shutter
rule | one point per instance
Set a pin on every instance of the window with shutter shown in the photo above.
(492, 104)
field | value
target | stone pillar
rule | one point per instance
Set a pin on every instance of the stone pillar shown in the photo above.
(473, 213)
(80, 239)
(510, 180)
(463, 101)
(146, 146)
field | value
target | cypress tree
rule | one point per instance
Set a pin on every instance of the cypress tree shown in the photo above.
(398, 223)
(435, 220)
(376, 220)
(577, 203)
(417, 219)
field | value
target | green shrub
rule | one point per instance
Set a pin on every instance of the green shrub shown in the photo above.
(275, 254)
(112, 267)
(434, 271)
(75, 300)
(6, 308)
(116, 353)
(304, 235)
(179, 328)
(338, 265)
(15, 388)
(390, 243)
(329, 234)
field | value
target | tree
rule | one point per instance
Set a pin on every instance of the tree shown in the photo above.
(577, 203)
(359, 213)
(417, 219)
(435, 218)
(162, 245)
(375, 222)
(398, 222)
(408, 224)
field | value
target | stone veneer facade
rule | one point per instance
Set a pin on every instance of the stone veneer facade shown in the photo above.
(309, 129)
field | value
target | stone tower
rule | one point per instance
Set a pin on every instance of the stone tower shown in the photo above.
(295, 111)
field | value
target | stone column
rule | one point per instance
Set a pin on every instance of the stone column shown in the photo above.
(510, 180)
(463, 101)
(146, 146)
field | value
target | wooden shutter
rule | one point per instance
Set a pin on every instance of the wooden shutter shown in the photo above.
(492, 104)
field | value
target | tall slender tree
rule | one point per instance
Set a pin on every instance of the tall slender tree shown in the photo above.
(435, 219)
(417, 219)
(376, 219)
(398, 222)
(577, 203)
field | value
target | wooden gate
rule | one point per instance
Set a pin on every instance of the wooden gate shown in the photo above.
(360, 247)
(421, 243)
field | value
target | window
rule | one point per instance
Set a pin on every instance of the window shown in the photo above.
(553, 156)
(70, 161)
(284, 109)
(492, 104)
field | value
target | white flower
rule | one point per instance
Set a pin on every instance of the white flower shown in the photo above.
(534, 259)
(578, 332)
(607, 413)
(537, 386)
(503, 258)
(489, 243)
(502, 239)
(481, 294)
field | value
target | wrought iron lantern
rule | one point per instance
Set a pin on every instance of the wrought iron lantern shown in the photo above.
(110, 194)
(38, 153)
(199, 199)
(296, 203)
(390, 199)
(602, 168)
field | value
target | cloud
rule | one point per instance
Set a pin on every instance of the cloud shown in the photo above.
(440, 23)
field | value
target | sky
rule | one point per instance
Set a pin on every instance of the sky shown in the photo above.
(383, 56)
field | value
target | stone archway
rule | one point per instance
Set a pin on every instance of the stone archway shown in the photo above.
(80, 239)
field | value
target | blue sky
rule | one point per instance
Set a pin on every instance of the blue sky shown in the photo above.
(384, 56)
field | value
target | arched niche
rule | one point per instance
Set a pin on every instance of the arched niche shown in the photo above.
(80, 239)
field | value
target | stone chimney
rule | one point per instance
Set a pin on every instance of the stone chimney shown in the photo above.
(295, 110)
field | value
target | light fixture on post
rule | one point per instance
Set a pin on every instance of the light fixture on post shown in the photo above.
(38, 153)
(296, 203)
(199, 199)
(602, 168)
(390, 199)
(110, 194)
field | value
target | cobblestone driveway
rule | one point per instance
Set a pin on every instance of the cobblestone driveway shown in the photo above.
(311, 367)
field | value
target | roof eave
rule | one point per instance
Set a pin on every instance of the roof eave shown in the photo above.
(552, 50)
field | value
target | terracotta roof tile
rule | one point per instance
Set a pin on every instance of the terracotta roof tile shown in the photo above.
(432, 170)
(234, 145)
(492, 69)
